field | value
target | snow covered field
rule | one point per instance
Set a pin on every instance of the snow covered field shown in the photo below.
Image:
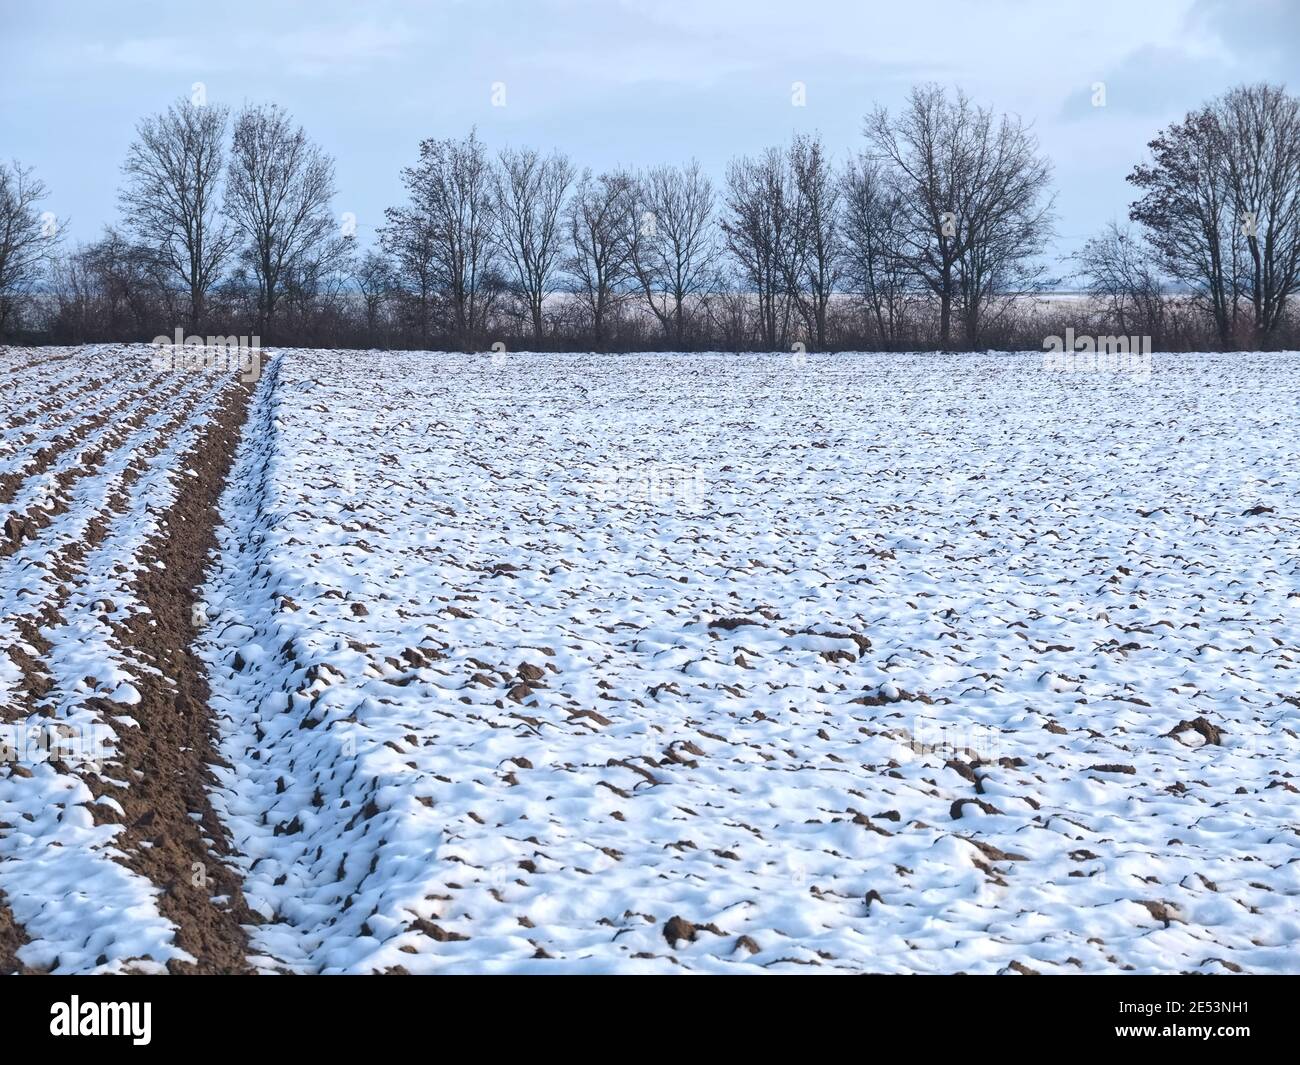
(905, 663)
(877, 663)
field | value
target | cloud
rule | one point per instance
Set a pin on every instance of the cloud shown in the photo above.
(1261, 35)
(148, 53)
(1151, 81)
(1219, 43)
(343, 46)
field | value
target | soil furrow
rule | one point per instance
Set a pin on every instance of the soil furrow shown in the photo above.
(21, 405)
(28, 525)
(63, 561)
(75, 423)
(48, 412)
(167, 757)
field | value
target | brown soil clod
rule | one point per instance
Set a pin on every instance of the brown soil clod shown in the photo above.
(1161, 911)
(678, 929)
(955, 811)
(995, 854)
(730, 624)
(1208, 731)
(12, 940)
(530, 673)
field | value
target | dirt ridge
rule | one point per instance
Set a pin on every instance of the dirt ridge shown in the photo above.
(166, 760)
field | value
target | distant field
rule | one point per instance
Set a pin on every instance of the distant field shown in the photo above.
(907, 663)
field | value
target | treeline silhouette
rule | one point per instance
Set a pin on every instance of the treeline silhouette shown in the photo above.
(929, 234)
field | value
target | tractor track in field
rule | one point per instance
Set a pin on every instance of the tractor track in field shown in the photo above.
(169, 753)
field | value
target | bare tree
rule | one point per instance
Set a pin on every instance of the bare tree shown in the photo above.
(758, 228)
(674, 248)
(278, 195)
(922, 147)
(783, 229)
(875, 270)
(374, 277)
(601, 221)
(1258, 132)
(1117, 268)
(978, 209)
(410, 244)
(1221, 206)
(26, 238)
(1008, 213)
(1187, 215)
(529, 196)
(811, 262)
(446, 233)
(315, 285)
(171, 201)
(107, 289)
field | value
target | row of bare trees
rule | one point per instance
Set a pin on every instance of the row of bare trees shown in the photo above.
(237, 213)
(948, 205)
(931, 234)
(1220, 215)
(947, 200)
(508, 235)
(265, 213)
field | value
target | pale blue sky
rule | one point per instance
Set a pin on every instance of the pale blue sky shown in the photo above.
(618, 83)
